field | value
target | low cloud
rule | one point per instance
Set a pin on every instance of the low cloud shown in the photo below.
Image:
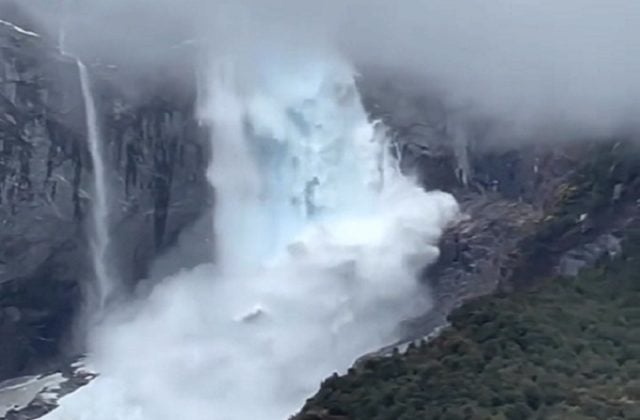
(570, 63)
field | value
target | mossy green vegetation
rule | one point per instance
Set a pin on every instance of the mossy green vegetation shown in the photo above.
(569, 350)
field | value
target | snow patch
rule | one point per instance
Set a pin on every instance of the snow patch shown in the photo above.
(18, 29)
(19, 393)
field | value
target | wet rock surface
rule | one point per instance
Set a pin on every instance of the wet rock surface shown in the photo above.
(155, 161)
(588, 255)
(529, 209)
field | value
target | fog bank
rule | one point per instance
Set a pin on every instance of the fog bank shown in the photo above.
(535, 62)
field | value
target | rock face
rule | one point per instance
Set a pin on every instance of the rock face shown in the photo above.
(155, 159)
(532, 208)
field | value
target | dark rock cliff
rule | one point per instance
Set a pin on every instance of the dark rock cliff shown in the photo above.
(155, 158)
(531, 208)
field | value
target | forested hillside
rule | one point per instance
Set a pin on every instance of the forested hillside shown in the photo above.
(570, 350)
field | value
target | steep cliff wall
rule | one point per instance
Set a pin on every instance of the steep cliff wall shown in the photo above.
(533, 207)
(155, 161)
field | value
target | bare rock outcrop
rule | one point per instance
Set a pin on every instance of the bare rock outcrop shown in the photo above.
(155, 159)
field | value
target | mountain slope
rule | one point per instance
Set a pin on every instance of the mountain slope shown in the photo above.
(570, 349)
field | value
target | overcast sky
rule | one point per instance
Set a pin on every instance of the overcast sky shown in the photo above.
(577, 61)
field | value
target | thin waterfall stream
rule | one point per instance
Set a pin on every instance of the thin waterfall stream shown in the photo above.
(104, 285)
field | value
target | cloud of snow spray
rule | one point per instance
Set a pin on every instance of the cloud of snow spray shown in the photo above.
(319, 240)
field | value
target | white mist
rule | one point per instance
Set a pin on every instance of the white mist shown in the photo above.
(319, 240)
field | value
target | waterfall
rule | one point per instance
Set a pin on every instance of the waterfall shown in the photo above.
(234, 177)
(62, 27)
(104, 286)
(319, 239)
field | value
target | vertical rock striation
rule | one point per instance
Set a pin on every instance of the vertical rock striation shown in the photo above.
(155, 169)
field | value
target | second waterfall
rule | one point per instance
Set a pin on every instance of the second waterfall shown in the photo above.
(104, 285)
